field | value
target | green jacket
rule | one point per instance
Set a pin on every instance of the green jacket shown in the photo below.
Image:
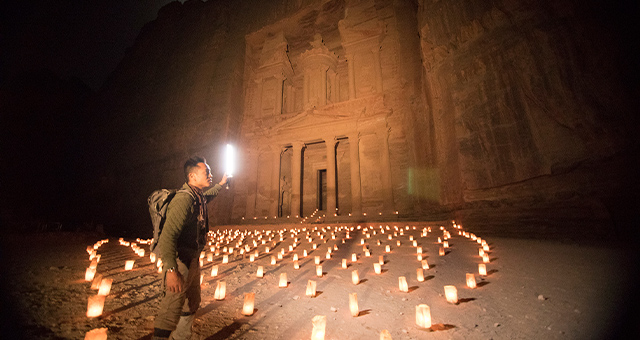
(181, 235)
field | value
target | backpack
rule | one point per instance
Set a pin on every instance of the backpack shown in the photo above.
(158, 203)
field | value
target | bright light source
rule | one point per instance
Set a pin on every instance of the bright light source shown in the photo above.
(230, 160)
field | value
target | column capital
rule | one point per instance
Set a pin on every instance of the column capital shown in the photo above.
(298, 144)
(330, 140)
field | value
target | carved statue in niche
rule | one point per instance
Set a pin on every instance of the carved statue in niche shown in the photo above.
(284, 205)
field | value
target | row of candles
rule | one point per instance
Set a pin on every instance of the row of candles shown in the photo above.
(228, 238)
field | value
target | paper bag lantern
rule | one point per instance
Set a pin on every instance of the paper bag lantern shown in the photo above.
(425, 264)
(283, 280)
(344, 263)
(485, 258)
(419, 250)
(319, 323)
(94, 263)
(96, 334)
(319, 270)
(304, 253)
(387, 248)
(471, 280)
(295, 257)
(381, 259)
(95, 284)
(311, 288)
(419, 257)
(328, 256)
(445, 244)
(482, 269)
(225, 258)
(420, 274)
(353, 304)
(354, 257)
(402, 282)
(398, 243)
(214, 270)
(95, 306)
(377, 268)
(441, 251)
(128, 265)
(221, 290)
(451, 294)
(296, 265)
(201, 262)
(385, 335)
(89, 274)
(152, 257)
(247, 307)
(423, 316)
(260, 271)
(316, 259)
(354, 277)
(105, 287)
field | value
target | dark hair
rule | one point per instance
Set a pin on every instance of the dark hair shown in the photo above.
(191, 164)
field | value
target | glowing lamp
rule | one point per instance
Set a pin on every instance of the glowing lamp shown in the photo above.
(451, 294)
(480, 252)
(367, 253)
(249, 300)
(344, 263)
(95, 306)
(415, 243)
(319, 324)
(295, 257)
(225, 258)
(201, 262)
(96, 334)
(419, 257)
(319, 270)
(273, 260)
(354, 277)
(485, 247)
(387, 248)
(419, 250)
(381, 259)
(229, 160)
(385, 335)
(89, 274)
(304, 253)
(260, 271)
(377, 268)
(201, 278)
(95, 284)
(423, 316)
(316, 260)
(311, 288)
(398, 243)
(353, 304)
(128, 265)
(105, 287)
(152, 257)
(425, 264)
(441, 251)
(354, 257)
(482, 269)
(328, 256)
(420, 274)
(214, 270)
(221, 290)
(445, 244)
(471, 280)
(94, 263)
(402, 283)
(296, 265)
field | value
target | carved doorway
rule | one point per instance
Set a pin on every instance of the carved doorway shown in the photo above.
(322, 189)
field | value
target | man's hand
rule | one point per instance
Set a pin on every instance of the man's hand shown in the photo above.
(175, 282)
(223, 181)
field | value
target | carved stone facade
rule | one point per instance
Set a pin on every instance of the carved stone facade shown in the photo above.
(316, 130)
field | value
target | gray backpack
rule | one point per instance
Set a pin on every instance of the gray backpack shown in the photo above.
(158, 203)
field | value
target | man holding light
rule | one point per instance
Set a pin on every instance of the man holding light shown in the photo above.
(182, 239)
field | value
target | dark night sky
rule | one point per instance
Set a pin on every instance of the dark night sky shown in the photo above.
(85, 39)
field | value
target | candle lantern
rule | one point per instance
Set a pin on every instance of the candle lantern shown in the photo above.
(402, 282)
(485, 258)
(311, 288)
(89, 274)
(480, 252)
(482, 269)
(105, 287)
(377, 268)
(96, 334)
(381, 259)
(344, 263)
(367, 253)
(128, 265)
(304, 253)
(353, 304)
(423, 316)
(425, 264)
(295, 257)
(319, 270)
(94, 263)
(354, 277)
(152, 257)
(398, 243)
(95, 306)
(225, 258)
(387, 248)
(445, 244)
(441, 251)
(420, 274)
(201, 278)
(471, 280)
(214, 270)
(296, 265)
(415, 243)
(328, 256)
(419, 250)
(95, 284)
(451, 294)
(221, 290)
(419, 257)
(319, 323)
(354, 257)
(273, 260)
(385, 335)
(201, 262)
(485, 247)
(249, 300)
(260, 271)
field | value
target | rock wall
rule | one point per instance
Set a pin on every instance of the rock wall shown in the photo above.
(501, 109)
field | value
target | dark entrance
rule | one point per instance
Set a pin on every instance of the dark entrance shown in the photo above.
(322, 189)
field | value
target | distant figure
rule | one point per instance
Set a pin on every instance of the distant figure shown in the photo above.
(179, 245)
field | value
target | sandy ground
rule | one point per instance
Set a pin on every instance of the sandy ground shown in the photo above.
(535, 289)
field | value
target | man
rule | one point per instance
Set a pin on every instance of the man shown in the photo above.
(182, 239)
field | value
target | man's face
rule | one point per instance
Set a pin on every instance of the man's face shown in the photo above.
(201, 177)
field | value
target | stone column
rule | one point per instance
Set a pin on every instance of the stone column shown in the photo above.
(296, 173)
(252, 183)
(275, 182)
(305, 90)
(278, 106)
(323, 86)
(330, 142)
(385, 170)
(356, 191)
(377, 68)
(352, 76)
